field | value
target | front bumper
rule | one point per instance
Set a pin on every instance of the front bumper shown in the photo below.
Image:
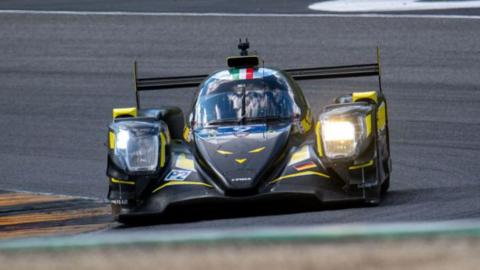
(299, 192)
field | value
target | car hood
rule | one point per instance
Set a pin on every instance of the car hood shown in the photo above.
(240, 155)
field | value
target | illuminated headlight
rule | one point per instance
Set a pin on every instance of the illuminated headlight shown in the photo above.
(344, 131)
(136, 146)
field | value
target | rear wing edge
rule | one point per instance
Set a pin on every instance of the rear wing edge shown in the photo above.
(319, 73)
(315, 73)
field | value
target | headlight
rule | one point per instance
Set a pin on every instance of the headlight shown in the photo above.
(136, 146)
(344, 130)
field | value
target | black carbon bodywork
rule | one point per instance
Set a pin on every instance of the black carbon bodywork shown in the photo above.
(262, 161)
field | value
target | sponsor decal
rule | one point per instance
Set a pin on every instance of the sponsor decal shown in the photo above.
(241, 131)
(177, 175)
(242, 73)
(223, 131)
(305, 166)
(241, 134)
(119, 202)
(212, 133)
(300, 155)
(241, 179)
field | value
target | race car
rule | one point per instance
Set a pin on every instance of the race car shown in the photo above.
(250, 136)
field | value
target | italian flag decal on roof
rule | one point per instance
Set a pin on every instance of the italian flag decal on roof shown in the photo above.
(242, 73)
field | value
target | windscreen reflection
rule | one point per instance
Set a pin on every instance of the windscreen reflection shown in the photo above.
(244, 100)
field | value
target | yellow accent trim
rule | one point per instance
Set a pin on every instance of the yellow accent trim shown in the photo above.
(175, 183)
(367, 164)
(185, 163)
(307, 121)
(223, 152)
(186, 134)
(300, 155)
(319, 139)
(132, 112)
(240, 160)
(118, 181)
(381, 116)
(162, 150)
(305, 124)
(111, 140)
(300, 174)
(368, 123)
(257, 150)
(372, 95)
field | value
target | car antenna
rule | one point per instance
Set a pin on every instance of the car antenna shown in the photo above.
(243, 47)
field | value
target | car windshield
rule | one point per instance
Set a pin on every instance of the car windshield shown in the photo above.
(239, 101)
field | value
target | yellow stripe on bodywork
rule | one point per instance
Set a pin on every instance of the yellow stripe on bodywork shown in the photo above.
(257, 150)
(363, 165)
(240, 160)
(118, 181)
(162, 150)
(111, 140)
(372, 95)
(223, 152)
(299, 174)
(368, 124)
(318, 135)
(132, 112)
(299, 155)
(381, 116)
(176, 183)
(185, 163)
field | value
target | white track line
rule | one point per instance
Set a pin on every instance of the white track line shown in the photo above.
(389, 5)
(260, 15)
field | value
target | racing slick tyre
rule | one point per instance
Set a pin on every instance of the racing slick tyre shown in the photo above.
(373, 195)
(385, 185)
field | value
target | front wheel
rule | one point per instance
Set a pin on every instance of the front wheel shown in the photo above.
(385, 185)
(373, 195)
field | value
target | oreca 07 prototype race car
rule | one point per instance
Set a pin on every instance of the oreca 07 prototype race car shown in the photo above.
(251, 136)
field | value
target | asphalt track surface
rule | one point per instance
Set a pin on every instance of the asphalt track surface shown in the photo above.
(202, 6)
(61, 75)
